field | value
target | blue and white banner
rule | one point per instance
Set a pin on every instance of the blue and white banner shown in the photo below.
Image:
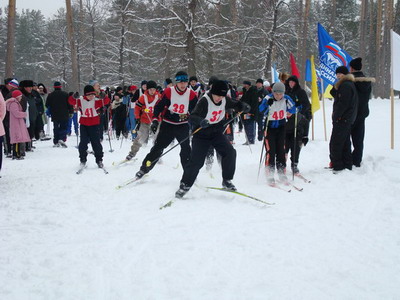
(331, 56)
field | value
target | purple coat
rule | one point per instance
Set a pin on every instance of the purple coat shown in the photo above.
(18, 131)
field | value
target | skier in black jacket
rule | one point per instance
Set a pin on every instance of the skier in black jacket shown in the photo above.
(343, 116)
(209, 114)
(364, 87)
(303, 107)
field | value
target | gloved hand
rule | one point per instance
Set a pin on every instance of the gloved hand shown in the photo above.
(70, 115)
(137, 124)
(270, 101)
(204, 123)
(75, 95)
(245, 107)
(102, 95)
(305, 140)
(154, 126)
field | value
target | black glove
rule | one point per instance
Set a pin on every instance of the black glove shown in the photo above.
(245, 107)
(204, 123)
(270, 101)
(154, 126)
(76, 95)
(102, 95)
(137, 124)
(304, 140)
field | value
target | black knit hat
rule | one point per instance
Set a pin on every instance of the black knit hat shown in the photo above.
(212, 80)
(143, 82)
(193, 78)
(57, 85)
(343, 70)
(26, 83)
(168, 81)
(88, 90)
(151, 84)
(259, 80)
(356, 64)
(219, 88)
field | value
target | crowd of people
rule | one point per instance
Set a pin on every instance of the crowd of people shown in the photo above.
(201, 117)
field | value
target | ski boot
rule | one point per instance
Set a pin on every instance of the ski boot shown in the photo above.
(183, 189)
(228, 185)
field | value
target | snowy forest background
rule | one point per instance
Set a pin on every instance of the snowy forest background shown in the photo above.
(121, 42)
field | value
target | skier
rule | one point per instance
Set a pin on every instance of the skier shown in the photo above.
(177, 103)
(144, 115)
(119, 113)
(89, 121)
(277, 107)
(303, 106)
(209, 114)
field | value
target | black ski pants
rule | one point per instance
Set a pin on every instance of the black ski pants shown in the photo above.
(294, 150)
(168, 132)
(357, 137)
(276, 148)
(200, 147)
(90, 134)
(340, 146)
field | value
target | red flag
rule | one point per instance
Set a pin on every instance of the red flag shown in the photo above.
(293, 66)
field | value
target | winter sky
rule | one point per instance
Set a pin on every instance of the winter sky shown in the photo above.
(47, 7)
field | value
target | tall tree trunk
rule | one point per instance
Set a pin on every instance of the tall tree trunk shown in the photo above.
(371, 52)
(121, 51)
(299, 25)
(332, 19)
(190, 42)
(74, 61)
(79, 42)
(10, 39)
(363, 28)
(378, 48)
(301, 59)
(270, 47)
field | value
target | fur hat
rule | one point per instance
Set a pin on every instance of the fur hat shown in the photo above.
(151, 84)
(278, 87)
(248, 82)
(89, 90)
(26, 83)
(356, 64)
(219, 88)
(342, 70)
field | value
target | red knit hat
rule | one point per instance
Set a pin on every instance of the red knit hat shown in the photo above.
(16, 93)
(132, 88)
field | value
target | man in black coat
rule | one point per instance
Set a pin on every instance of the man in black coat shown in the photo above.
(364, 86)
(343, 116)
(60, 109)
(26, 87)
(250, 96)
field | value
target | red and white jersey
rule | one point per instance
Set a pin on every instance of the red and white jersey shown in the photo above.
(179, 103)
(88, 108)
(149, 106)
(215, 113)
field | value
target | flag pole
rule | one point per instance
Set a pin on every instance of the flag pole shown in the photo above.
(323, 108)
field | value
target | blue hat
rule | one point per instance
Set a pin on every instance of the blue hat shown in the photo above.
(93, 82)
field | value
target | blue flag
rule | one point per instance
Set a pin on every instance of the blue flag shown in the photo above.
(331, 56)
(308, 71)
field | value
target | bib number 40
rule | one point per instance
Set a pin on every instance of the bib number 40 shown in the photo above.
(278, 115)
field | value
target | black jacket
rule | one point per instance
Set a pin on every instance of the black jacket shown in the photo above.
(31, 100)
(364, 87)
(251, 98)
(346, 100)
(57, 102)
(300, 98)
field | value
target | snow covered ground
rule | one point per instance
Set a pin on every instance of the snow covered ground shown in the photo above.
(68, 236)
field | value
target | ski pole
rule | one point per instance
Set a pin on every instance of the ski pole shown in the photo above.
(108, 131)
(150, 163)
(294, 142)
(264, 146)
